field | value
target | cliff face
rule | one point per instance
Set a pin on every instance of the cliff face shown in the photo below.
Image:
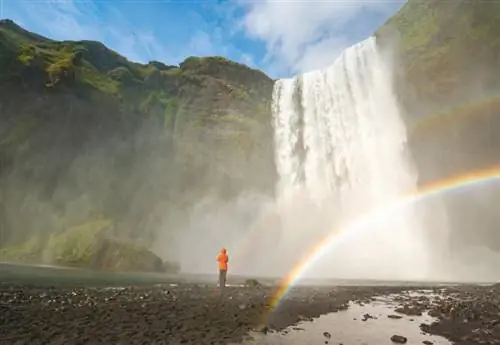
(87, 134)
(447, 63)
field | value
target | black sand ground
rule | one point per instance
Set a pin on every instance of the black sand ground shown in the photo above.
(467, 315)
(195, 314)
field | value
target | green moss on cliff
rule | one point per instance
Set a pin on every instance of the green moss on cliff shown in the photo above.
(447, 50)
(78, 246)
(447, 80)
(89, 245)
(94, 65)
(85, 131)
(29, 251)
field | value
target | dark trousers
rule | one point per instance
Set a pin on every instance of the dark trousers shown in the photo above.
(222, 278)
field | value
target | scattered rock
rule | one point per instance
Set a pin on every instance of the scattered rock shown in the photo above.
(394, 316)
(263, 329)
(186, 313)
(399, 339)
(252, 283)
(175, 313)
(410, 310)
(368, 316)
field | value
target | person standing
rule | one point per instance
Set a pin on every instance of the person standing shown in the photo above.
(222, 259)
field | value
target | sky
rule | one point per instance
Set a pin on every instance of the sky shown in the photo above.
(280, 37)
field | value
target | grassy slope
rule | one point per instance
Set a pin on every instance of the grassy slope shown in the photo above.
(448, 65)
(447, 57)
(444, 45)
(86, 246)
(87, 134)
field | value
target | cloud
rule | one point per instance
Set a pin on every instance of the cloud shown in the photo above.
(140, 31)
(248, 60)
(282, 37)
(84, 20)
(300, 35)
(61, 19)
(201, 44)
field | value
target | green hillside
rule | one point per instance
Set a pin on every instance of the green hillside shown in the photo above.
(446, 55)
(87, 134)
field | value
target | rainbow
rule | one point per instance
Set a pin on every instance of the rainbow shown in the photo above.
(433, 189)
(488, 105)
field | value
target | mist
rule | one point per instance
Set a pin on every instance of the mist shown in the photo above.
(213, 223)
(334, 166)
(337, 145)
(158, 185)
(286, 228)
(450, 133)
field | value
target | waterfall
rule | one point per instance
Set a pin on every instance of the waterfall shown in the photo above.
(340, 150)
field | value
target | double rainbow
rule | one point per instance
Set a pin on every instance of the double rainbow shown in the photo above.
(453, 183)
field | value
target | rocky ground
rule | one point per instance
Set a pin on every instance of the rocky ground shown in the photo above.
(467, 315)
(196, 314)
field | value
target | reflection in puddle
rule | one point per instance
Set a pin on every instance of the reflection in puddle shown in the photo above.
(348, 328)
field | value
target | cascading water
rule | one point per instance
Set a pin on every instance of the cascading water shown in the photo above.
(340, 151)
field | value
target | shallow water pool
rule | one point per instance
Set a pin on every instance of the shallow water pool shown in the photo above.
(348, 328)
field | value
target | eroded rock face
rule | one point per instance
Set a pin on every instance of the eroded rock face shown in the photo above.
(88, 133)
(446, 74)
(90, 246)
(116, 255)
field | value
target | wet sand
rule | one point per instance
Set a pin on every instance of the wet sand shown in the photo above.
(197, 314)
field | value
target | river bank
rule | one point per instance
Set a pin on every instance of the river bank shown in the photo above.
(54, 305)
(197, 314)
(161, 314)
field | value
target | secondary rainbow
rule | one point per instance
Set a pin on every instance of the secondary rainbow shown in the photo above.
(436, 188)
(482, 107)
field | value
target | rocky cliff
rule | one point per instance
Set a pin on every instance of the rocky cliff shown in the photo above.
(88, 135)
(446, 55)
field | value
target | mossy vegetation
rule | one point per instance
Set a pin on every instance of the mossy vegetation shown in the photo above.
(90, 246)
(93, 65)
(84, 131)
(446, 51)
(78, 246)
(446, 65)
(29, 251)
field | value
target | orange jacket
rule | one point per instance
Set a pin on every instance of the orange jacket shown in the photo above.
(223, 259)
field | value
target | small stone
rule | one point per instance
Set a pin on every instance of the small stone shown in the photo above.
(263, 329)
(399, 339)
(427, 342)
(327, 335)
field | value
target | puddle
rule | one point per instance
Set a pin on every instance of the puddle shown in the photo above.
(347, 327)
